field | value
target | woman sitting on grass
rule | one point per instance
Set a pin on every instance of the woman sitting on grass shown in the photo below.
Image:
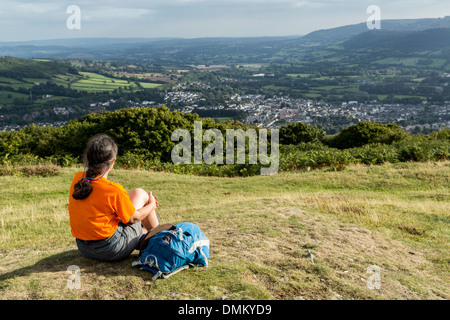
(107, 222)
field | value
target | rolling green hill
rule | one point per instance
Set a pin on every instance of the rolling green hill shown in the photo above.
(16, 68)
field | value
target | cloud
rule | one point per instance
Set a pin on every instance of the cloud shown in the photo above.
(311, 4)
(17, 9)
(25, 19)
(116, 13)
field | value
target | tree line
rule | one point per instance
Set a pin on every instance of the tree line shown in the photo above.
(144, 139)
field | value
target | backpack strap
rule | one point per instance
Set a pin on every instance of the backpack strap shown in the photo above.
(167, 275)
(144, 240)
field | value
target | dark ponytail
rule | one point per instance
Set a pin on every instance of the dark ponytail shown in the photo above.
(98, 157)
(81, 190)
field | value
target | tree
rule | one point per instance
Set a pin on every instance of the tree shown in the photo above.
(298, 132)
(366, 133)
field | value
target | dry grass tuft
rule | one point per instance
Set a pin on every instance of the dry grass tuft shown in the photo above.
(40, 170)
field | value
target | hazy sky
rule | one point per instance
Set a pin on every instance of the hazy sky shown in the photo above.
(46, 19)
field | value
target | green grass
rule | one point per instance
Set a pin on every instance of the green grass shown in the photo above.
(93, 82)
(9, 80)
(399, 61)
(411, 62)
(336, 88)
(261, 228)
(147, 85)
(299, 75)
(56, 98)
(312, 95)
(35, 80)
(16, 84)
(4, 99)
(382, 97)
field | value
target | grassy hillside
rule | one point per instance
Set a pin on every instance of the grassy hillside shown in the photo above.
(24, 68)
(261, 228)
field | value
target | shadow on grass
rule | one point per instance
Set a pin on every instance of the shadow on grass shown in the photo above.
(60, 262)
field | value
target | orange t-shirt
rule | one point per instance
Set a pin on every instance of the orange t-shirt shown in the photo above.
(98, 216)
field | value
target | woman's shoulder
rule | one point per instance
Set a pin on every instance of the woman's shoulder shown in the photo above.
(114, 185)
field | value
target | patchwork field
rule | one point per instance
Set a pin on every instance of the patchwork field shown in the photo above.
(86, 81)
(93, 82)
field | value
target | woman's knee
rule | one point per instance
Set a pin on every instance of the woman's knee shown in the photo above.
(139, 197)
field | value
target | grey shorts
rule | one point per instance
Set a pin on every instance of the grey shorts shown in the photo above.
(115, 248)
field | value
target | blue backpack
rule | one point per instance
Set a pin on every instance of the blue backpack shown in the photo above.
(175, 248)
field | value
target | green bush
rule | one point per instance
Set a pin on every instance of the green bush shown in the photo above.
(367, 133)
(443, 134)
(299, 132)
(374, 154)
(130, 161)
(423, 150)
(307, 157)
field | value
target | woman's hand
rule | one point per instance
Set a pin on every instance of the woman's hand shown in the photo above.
(152, 199)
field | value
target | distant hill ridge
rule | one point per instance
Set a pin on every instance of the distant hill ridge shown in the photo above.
(225, 50)
(339, 34)
(433, 39)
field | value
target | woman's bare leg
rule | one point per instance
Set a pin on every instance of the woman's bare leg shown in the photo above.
(139, 198)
